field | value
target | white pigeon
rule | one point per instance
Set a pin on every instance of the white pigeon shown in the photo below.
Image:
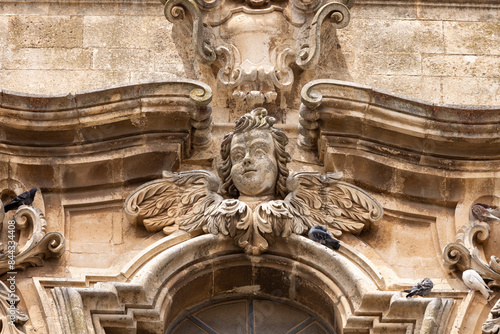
(476, 283)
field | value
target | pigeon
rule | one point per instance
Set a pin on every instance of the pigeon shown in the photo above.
(25, 198)
(475, 282)
(483, 212)
(320, 234)
(421, 288)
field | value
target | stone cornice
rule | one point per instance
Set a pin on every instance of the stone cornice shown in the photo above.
(458, 3)
(384, 123)
(390, 143)
(85, 118)
(111, 129)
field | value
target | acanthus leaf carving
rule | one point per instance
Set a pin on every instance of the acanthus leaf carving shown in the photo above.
(12, 319)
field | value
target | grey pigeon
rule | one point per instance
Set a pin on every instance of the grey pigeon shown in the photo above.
(25, 198)
(320, 234)
(475, 282)
(421, 289)
(483, 212)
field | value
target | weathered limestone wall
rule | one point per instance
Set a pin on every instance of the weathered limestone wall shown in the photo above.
(443, 51)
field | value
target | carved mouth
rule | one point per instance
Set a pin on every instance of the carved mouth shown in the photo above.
(249, 170)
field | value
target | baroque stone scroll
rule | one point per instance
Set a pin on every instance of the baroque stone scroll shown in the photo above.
(464, 253)
(253, 44)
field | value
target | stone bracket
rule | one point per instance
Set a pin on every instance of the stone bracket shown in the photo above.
(463, 254)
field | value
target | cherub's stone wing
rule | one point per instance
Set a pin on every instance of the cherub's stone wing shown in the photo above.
(181, 199)
(317, 199)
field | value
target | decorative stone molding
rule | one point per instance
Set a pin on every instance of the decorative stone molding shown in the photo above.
(34, 244)
(390, 312)
(464, 253)
(152, 296)
(492, 325)
(254, 169)
(338, 108)
(101, 137)
(395, 144)
(253, 44)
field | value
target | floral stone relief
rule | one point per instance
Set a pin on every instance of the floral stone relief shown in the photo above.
(259, 199)
(252, 44)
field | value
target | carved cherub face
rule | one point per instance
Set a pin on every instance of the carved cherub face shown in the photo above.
(254, 171)
(264, 170)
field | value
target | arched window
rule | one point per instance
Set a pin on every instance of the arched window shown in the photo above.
(248, 316)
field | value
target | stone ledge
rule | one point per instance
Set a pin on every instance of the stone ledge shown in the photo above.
(103, 137)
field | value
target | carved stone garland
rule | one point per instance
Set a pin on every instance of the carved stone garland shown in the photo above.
(253, 43)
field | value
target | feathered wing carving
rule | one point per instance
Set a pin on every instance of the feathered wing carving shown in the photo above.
(185, 198)
(189, 201)
(317, 199)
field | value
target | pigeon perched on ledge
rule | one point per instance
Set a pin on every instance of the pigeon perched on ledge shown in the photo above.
(475, 282)
(320, 234)
(25, 198)
(484, 212)
(420, 289)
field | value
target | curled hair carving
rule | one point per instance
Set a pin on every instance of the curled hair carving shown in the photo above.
(256, 119)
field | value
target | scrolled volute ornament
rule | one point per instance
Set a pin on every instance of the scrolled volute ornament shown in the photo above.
(259, 200)
(464, 254)
(253, 45)
(179, 10)
(338, 14)
(33, 245)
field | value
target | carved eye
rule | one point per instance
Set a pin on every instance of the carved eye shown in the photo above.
(238, 156)
(260, 151)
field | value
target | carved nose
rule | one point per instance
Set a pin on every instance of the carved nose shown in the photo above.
(247, 161)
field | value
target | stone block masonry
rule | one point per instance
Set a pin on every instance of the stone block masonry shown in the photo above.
(443, 52)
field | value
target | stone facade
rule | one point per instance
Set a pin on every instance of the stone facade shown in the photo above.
(102, 101)
(441, 51)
